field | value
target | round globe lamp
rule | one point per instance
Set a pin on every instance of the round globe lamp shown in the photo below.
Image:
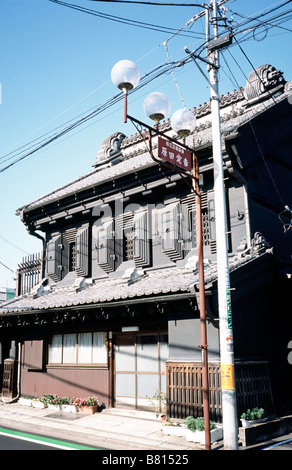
(157, 106)
(183, 122)
(125, 75)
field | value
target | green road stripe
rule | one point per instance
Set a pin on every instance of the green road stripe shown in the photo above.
(45, 440)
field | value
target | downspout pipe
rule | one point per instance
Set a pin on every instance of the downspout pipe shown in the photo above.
(37, 235)
(31, 230)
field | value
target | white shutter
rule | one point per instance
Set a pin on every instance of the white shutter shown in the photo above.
(171, 222)
(82, 252)
(141, 239)
(105, 246)
(54, 258)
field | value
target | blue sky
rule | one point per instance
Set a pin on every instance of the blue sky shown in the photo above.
(55, 67)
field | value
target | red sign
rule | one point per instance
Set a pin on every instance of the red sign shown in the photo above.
(173, 153)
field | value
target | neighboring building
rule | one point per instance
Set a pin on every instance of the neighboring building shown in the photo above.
(6, 293)
(116, 311)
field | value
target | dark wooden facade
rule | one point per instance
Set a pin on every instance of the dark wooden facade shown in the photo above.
(116, 312)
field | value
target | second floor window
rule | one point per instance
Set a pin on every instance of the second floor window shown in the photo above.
(68, 251)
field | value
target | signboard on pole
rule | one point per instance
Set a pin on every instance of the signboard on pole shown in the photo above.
(174, 154)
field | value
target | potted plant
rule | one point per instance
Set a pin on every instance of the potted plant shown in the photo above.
(40, 402)
(159, 403)
(87, 405)
(26, 400)
(67, 405)
(54, 402)
(172, 428)
(253, 416)
(196, 430)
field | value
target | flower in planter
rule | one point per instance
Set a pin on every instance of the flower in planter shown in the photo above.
(89, 401)
(54, 400)
(66, 401)
(47, 398)
(77, 401)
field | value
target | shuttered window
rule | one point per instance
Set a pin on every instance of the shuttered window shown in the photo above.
(174, 229)
(106, 246)
(54, 258)
(82, 252)
(141, 237)
(68, 251)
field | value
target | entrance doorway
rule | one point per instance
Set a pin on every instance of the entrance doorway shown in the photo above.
(139, 369)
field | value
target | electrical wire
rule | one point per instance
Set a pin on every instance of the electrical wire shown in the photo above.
(285, 206)
(127, 21)
(151, 3)
(15, 246)
(34, 146)
(4, 265)
(38, 144)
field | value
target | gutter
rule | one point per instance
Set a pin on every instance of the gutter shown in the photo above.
(37, 235)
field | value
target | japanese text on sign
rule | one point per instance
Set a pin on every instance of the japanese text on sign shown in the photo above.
(174, 154)
(227, 377)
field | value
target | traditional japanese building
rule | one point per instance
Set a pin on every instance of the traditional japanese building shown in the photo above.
(111, 307)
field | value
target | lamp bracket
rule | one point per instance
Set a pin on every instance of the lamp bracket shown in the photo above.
(153, 132)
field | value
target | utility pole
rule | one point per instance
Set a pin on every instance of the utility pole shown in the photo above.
(229, 409)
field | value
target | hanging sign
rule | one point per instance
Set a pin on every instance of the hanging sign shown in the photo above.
(173, 153)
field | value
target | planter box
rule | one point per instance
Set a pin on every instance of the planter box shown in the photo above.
(199, 436)
(179, 431)
(39, 404)
(69, 408)
(54, 407)
(247, 422)
(88, 410)
(264, 432)
(25, 401)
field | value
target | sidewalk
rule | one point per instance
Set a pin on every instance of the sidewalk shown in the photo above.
(112, 429)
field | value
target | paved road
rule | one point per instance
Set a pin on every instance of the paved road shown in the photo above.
(11, 439)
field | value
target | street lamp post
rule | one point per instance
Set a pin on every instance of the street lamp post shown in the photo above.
(126, 83)
(125, 76)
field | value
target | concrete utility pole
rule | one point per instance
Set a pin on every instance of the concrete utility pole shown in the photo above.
(229, 409)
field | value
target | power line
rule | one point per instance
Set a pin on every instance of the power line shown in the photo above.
(127, 21)
(285, 206)
(147, 78)
(7, 267)
(262, 22)
(152, 3)
(12, 244)
(34, 146)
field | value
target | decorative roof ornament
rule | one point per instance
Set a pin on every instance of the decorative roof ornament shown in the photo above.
(259, 243)
(261, 80)
(110, 146)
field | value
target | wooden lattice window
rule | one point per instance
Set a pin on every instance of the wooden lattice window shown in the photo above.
(72, 257)
(130, 245)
